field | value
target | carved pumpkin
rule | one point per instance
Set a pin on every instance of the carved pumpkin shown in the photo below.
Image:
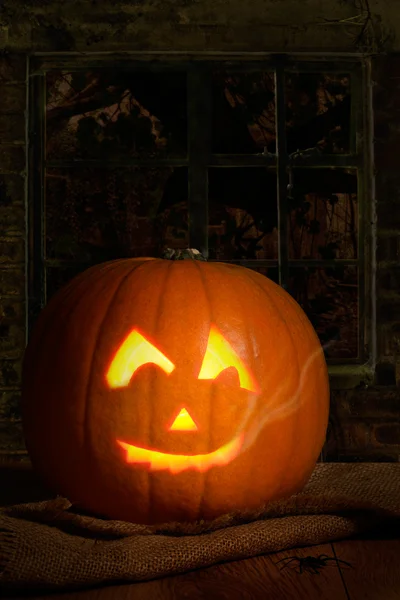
(157, 390)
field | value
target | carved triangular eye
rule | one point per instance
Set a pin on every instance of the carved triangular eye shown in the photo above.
(220, 356)
(183, 422)
(134, 352)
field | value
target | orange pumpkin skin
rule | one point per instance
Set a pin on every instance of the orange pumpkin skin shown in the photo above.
(78, 427)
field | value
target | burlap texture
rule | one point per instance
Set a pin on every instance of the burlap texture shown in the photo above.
(46, 546)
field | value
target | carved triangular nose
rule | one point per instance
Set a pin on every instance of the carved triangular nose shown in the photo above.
(183, 422)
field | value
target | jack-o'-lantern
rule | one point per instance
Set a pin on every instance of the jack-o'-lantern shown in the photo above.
(158, 390)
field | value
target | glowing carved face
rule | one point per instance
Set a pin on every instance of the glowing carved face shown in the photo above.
(136, 351)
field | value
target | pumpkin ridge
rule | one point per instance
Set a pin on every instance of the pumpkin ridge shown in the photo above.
(205, 479)
(303, 319)
(250, 337)
(295, 428)
(61, 298)
(163, 285)
(87, 437)
(47, 327)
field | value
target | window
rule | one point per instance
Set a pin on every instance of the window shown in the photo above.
(262, 163)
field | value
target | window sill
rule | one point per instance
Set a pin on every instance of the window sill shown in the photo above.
(346, 377)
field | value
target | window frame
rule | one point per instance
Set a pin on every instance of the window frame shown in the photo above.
(200, 158)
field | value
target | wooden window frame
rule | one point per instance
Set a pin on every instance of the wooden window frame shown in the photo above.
(199, 158)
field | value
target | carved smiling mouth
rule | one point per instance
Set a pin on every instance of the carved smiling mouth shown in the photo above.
(135, 352)
(176, 463)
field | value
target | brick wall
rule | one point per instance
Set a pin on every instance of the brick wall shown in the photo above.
(365, 421)
(12, 247)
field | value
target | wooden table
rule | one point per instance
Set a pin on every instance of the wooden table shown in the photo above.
(374, 574)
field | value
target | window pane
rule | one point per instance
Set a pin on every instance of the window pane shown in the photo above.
(242, 213)
(243, 112)
(330, 298)
(323, 214)
(109, 114)
(93, 215)
(318, 112)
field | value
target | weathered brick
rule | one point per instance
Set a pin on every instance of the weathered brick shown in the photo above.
(384, 341)
(388, 248)
(12, 340)
(12, 310)
(346, 436)
(12, 282)
(12, 158)
(373, 403)
(381, 456)
(340, 403)
(13, 99)
(387, 179)
(12, 250)
(388, 214)
(12, 190)
(381, 125)
(13, 457)
(10, 402)
(385, 156)
(388, 278)
(388, 311)
(395, 339)
(353, 436)
(12, 128)
(11, 436)
(10, 372)
(12, 219)
(12, 327)
(385, 373)
(331, 443)
(387, 434)
(13, 68)
(394, 123)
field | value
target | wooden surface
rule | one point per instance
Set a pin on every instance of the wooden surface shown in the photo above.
(374, 573)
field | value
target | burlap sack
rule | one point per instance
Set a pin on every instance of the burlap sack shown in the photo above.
(46, 546)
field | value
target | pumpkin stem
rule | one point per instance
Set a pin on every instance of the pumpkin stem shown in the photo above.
(182, 254)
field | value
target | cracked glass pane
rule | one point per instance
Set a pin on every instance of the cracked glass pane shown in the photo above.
(94, 215)
(243, 112)
(318, 108)
(323, 214)
(111, 114)
(242, 213)
(330, 298)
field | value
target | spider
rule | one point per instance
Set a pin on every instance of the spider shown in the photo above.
(311, 563)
